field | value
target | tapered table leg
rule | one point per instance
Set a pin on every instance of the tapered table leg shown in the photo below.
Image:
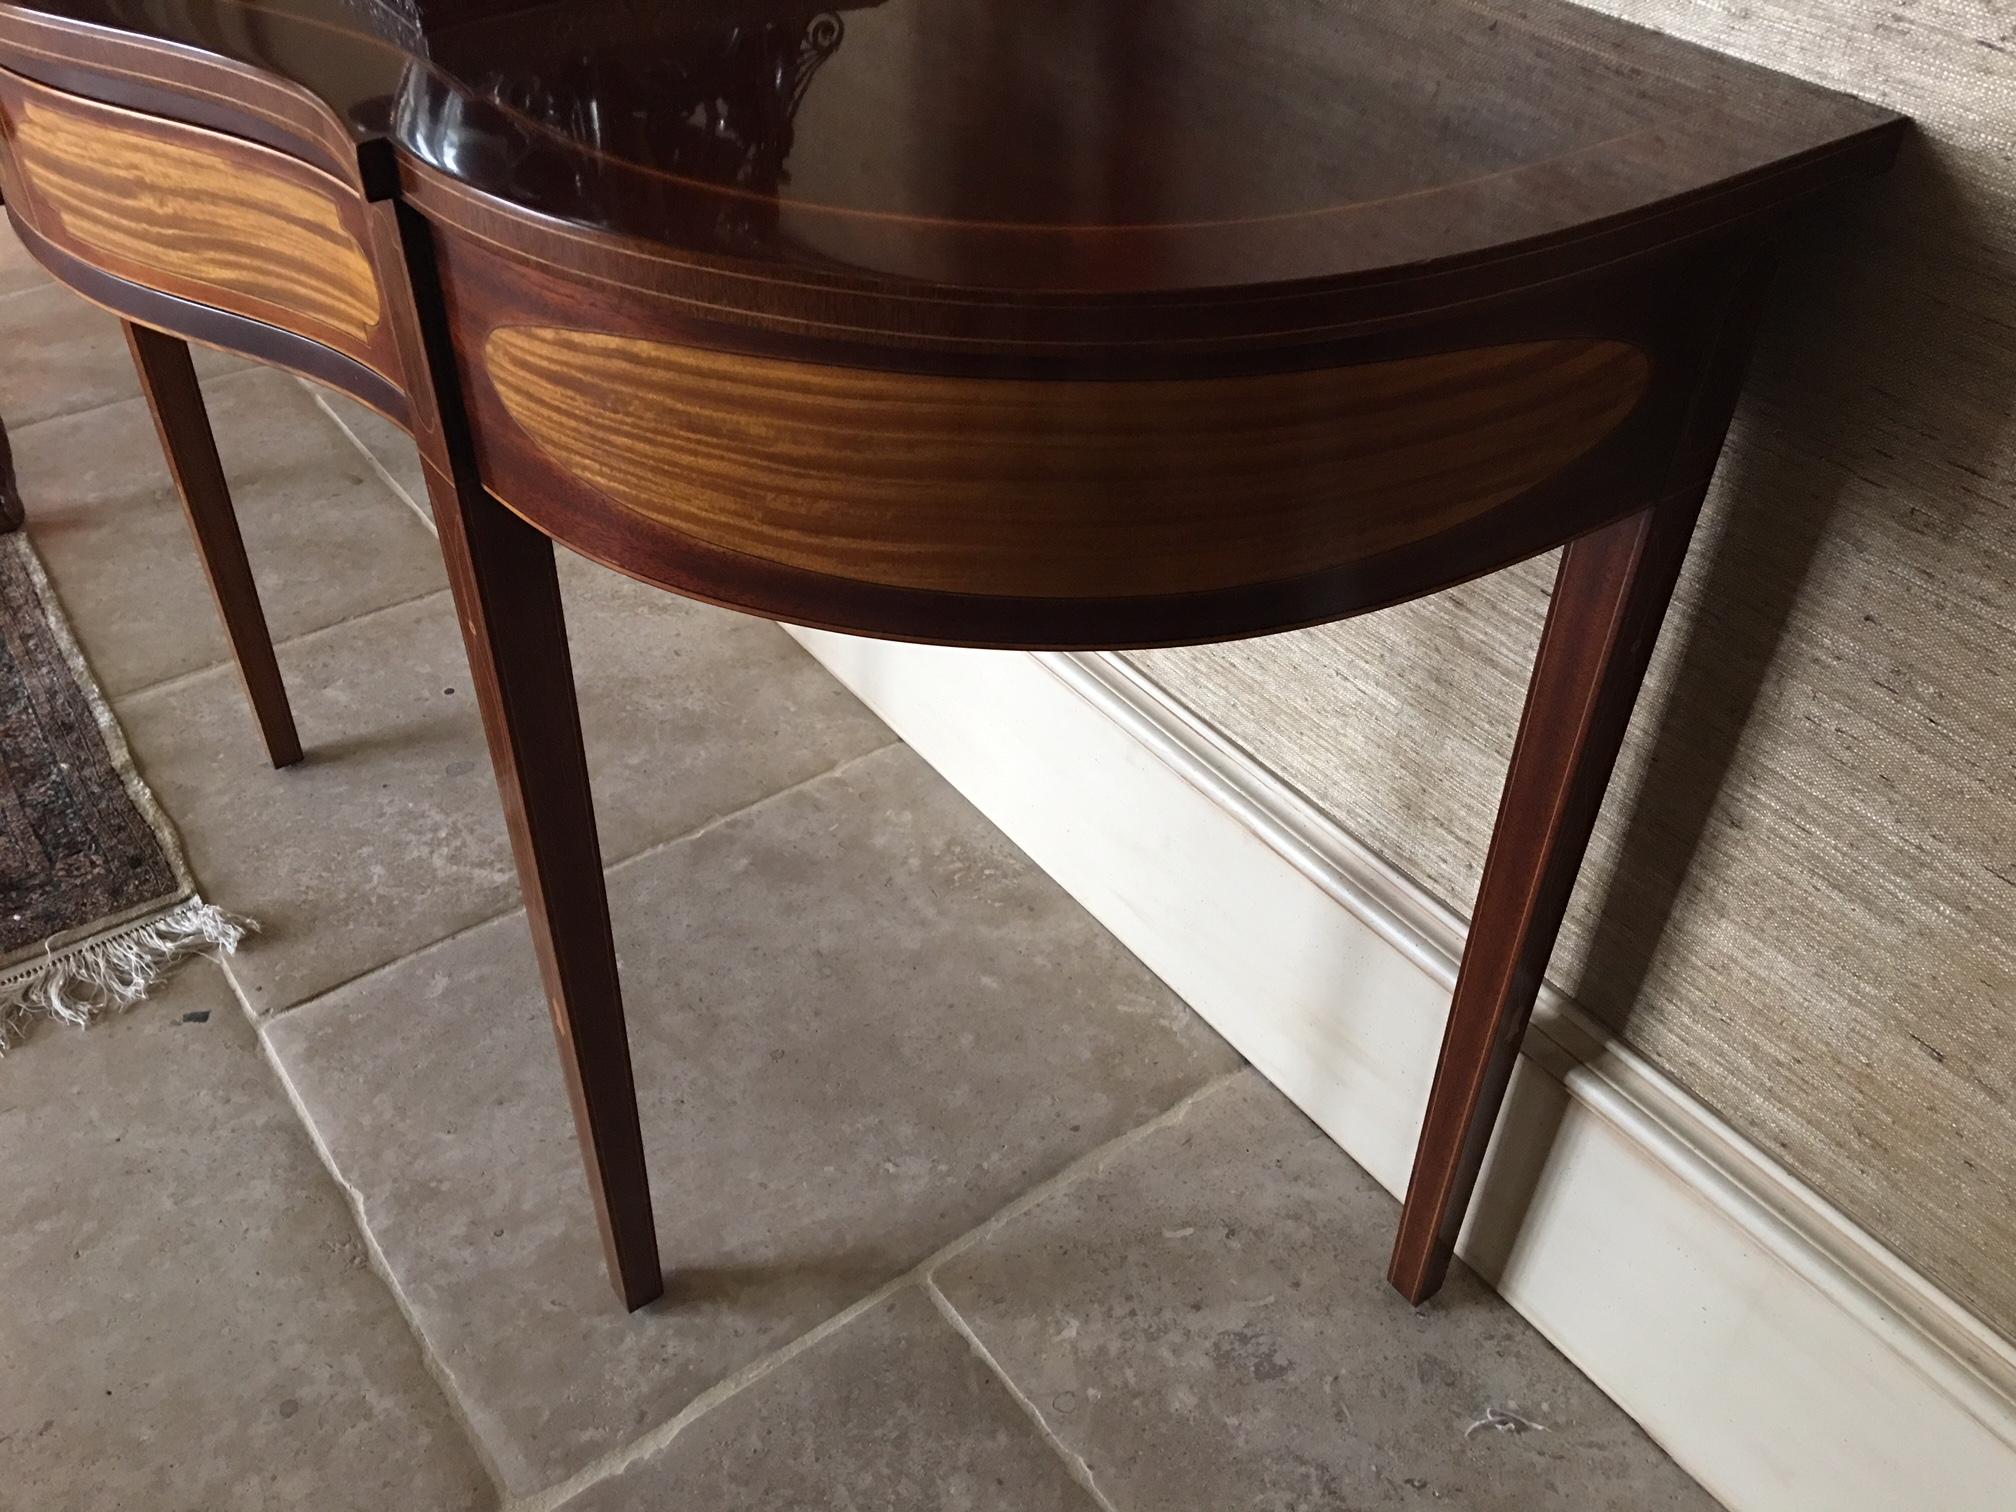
(1609, 599)
(11, 512)
(507, 597)
(509, 600)
(168, 379)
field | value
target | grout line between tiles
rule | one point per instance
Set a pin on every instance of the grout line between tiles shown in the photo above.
(237, 987)
(710, 825)
(646, 1444)
(183, 679)
(28, 426)
(377, 464)
(1092, 1163)
(1074, 1462)
(609, 869)
(436, 1367)
(204, 380)
(180, 679)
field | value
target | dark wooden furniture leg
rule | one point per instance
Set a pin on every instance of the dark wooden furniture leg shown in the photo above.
(11, 512)
(509, 600)
(507, 596)
(168, 379)
(1609, 599)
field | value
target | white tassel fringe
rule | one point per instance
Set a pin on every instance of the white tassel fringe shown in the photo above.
(80, 984)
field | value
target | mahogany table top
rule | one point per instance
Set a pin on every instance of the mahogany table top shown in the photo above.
(1057, 146)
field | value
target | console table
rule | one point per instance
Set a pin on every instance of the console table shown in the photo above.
(1012, 323)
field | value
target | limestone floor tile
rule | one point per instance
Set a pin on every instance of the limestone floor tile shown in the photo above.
(386, 838)
(390, 836)
(891, 1413)
(190, 1323)
(64, 355)
(1206, 1323)
(385, 442)
(18, 270)
(691, 712)
(862, 1022)
(327, 539)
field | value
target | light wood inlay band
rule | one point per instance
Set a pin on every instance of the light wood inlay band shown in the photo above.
(243, 225)
(1060, 488)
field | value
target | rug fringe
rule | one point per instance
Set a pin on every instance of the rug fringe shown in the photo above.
(81, 984)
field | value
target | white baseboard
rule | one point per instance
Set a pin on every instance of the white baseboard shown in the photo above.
(1780, 1354)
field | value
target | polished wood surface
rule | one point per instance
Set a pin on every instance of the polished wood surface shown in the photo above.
(238, 226)
(1048, 146)
(207, 325)
(507, 599)
(1609, 597)
(1011, 486)
(12, 511)
(195, 214)
(168, 380)
(1067, 498)
(1049, 324)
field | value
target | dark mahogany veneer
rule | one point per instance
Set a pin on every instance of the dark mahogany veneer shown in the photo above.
(1024, 323)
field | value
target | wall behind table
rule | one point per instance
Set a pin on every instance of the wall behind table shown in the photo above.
(1814, 928)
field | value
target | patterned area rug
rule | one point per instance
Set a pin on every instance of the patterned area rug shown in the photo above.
(96, 902)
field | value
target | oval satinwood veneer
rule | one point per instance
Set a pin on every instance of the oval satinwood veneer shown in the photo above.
(197, 214)
(1055, 489)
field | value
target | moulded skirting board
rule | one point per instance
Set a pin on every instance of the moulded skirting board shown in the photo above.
(1780, 1354)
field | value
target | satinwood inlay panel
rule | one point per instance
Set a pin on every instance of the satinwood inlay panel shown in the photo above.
(195, 213)
(1057, 488)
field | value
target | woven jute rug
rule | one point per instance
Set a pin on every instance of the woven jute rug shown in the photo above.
(96, 902)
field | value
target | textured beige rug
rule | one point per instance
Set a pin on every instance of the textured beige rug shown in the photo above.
(96, 902)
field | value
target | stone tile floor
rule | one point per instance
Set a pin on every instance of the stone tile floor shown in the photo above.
(964, 1209)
